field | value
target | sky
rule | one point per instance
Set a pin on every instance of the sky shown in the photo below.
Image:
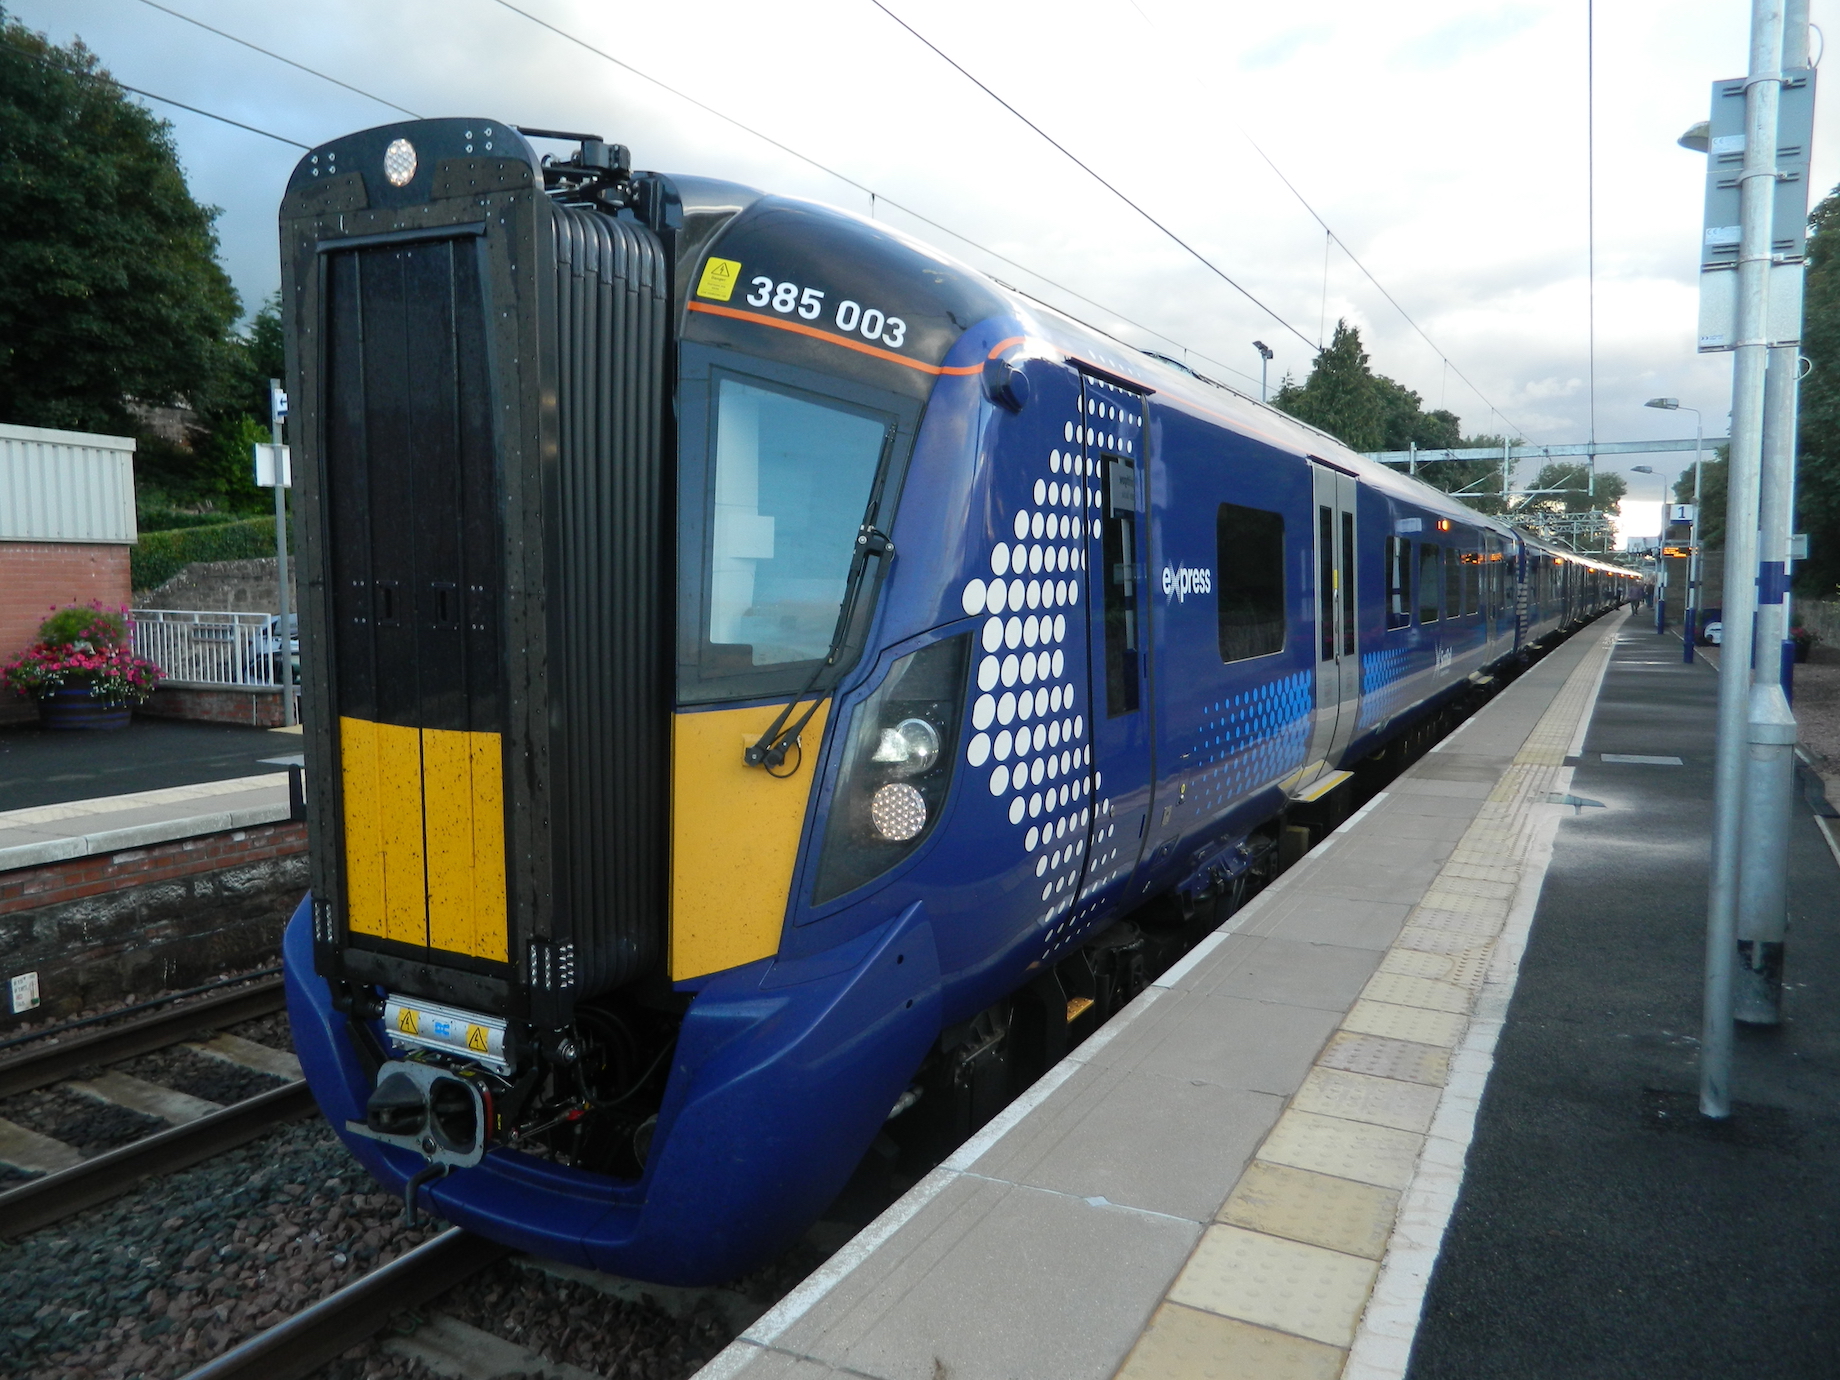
(1445, 145)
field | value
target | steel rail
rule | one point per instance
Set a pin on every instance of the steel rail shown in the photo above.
(321, 1331)
(55, 1062)
(56, 1196)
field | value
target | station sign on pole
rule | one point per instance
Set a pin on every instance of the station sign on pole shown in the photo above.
(274, 470)
(1718, 261)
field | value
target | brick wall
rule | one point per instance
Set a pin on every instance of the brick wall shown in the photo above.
(97, 929)
(257, 708)
(35, 577)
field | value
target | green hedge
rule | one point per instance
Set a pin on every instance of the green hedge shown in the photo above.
(158, 556)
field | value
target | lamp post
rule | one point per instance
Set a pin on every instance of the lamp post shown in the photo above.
(1690, 627)
(1265, 357)
(1660, 550)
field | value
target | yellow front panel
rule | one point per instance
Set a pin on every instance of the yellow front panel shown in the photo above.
(734, 838)
(385, 879)
(464, 824)
(363, 834)
(399, 798)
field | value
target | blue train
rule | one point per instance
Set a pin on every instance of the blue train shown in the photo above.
(769, 685)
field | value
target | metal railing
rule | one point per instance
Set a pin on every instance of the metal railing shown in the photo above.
(209, 647)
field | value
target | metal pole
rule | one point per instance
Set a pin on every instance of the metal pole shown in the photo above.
(1757, 188)
(284, 648)
(1769, 769)
(1690, 632)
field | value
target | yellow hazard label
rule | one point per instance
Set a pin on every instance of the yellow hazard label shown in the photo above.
(476, 1038)
(407, 1022)
(719, 279)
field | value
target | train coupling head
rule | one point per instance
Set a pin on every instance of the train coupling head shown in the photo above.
(440, 1114)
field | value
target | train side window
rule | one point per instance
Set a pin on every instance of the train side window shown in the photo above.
(1249, 545)
(1453, 583)
(1428, 555)
(1325, 580)
(1121, 571)
(1398, 582)
(1472, 582)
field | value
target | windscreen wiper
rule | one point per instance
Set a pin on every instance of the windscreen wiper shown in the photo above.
(770, 752)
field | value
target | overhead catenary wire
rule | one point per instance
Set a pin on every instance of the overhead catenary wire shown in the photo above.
(298, 66)
(876, 197)
(152, 96)
(1086, 168)
(1378, 285)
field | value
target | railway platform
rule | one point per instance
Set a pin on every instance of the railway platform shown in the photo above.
(1252, 1171)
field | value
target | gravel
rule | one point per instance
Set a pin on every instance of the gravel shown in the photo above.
(156, 1282)
(269, 1030)
(564, 1321)
(90, 1125)
(215, 1080)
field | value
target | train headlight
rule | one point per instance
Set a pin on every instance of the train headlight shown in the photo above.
(897, 811)
(896, 767)
(909, 748)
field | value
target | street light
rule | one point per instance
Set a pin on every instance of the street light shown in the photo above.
(1264, 360)
(1660, 549)
(1690, 627)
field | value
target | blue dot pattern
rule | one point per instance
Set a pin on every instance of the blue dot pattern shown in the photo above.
(1251, 739)
(1382, 686)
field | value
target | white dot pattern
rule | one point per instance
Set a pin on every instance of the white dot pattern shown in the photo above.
(1030, 725)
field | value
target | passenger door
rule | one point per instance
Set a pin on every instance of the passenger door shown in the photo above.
(1115, 555)
(1338, 657)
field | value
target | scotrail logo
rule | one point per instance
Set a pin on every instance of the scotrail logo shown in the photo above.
(1181, 581)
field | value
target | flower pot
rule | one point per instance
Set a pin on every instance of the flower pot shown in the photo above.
(1802, 649)
(76, 708)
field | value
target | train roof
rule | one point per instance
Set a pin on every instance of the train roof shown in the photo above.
(1073, 339)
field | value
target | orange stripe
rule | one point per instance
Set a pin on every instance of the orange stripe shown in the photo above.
(1003, 345)
(800, 328)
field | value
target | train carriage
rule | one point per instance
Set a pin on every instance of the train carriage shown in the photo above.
(769, 683)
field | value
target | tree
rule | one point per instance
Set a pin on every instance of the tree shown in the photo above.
(1818, 470)
(1713, 472)
(110, 289)
(1576, 490)
(1341, 395)
(1405, 423)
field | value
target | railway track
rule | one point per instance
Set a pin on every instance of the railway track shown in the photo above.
(197, 1129)
(319, 1332)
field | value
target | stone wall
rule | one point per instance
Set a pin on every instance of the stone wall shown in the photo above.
(234, 586)
(1821, 617)
(96, 929)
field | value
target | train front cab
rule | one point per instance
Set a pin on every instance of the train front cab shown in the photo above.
(563, 819)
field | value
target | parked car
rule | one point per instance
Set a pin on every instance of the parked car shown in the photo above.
(265, 648)
(1715, 634)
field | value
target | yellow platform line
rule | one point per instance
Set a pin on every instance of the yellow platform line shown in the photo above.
(1314, 1266)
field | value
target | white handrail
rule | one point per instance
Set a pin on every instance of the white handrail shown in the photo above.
(208, 647)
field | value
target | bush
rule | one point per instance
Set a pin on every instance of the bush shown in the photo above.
(83, 647)
(158, 556)
(159, 519)
(91, 623)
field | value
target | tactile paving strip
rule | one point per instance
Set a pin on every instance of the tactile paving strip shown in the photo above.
(1304, 1290)
(1384, 1058)
(1294, 1251)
